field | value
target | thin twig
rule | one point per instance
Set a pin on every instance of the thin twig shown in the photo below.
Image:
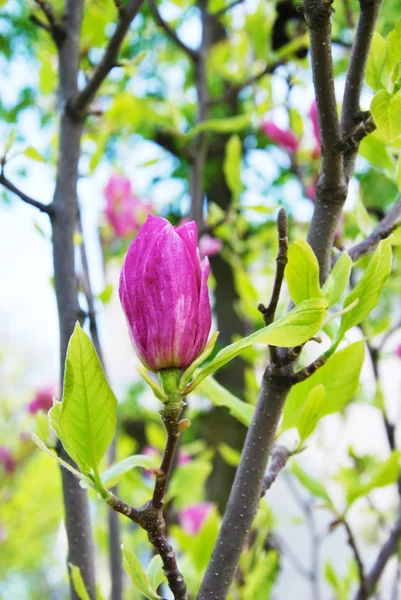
(389, 548)
(54, 27)
(281, 262)
(383, 230)
(279, 458)
(193, 54)
(46, 208)
(170, 420)
(306, 372)
(103, 68)
(358, 559)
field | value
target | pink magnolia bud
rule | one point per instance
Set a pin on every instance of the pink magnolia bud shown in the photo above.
(209, 246)
(163, 292)
(398, 351)
(7, 460)
(42, 401)
(124, 211)
(192, 517)
(282, 137)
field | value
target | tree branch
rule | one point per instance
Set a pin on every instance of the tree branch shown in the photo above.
(193, 54)
(389, 548)
(358, 559)
(383, 230)
(46, 208)
(54, 27)
(350, 114)
(224, 10)
(247, 487)
(103, 68)
(331, 189)
(279, 458)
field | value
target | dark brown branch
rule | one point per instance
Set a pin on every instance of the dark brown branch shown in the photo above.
(306, 372)
(247, 487)
(331, 189)
(279, 458)
(103, 68)
(46, 208)
(389, 548)
(170, 420)
(356, 75)
(382, 231)
(150, 515)
(358, 559)
(193, 54)
(54, 27)
(281, 262)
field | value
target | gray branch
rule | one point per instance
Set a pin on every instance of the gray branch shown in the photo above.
(46, 208)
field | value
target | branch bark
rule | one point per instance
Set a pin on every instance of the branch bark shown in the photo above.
(193, 54)
(103, 68)
(46, 208)
(387, 551)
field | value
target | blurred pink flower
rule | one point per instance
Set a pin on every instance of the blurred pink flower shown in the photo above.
(209, 246)
(398, 351)
(192, 517)
(7, 460)
(313, 117)
(42, 401)
(124, 211)
(183, 458)
(282, 137)
(310, 191)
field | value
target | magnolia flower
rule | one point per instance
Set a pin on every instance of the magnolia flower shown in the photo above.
(164, 295)
(192, 517)
(282, 137)
(43, 400)
(209, 246)
(124, 211)
(7, 460)
(398, 351)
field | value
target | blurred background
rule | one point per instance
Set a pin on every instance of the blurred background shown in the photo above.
(134, 163)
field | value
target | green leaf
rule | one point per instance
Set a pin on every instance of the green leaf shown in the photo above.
(10, 141)
(368, 288)
(219, 396)
(155, 573)
(295, 328)
(376, 152)
(310, 483)
(42, 426)
(340, 378)
(78, 582)
(376, 63)
(32, 153)
(302, 272)
(384, 474)
(311, 413)
(228, 125)
(230, 455)
(106, 294)
(137, 574)
(338, 279)
(88, 410)
(232, 165)
(113, 475)
(386, 112)
(188, 481)
(393, 47)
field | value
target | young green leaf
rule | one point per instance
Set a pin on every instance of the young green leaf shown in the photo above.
(302, 272)
(385, 473)
(219, 396)
(155, 573)
(340, 378)
(32, 153)
(88, 410)
(386, 112)
(376, 63)
(310, 483)
(228, 125)
(78, 582)
(311, 413)
(137, 574)
(368, 288)
(338, 279)
(186, 376)
(117, 471)
(230, 455)
(393, 47)
(295, 328)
